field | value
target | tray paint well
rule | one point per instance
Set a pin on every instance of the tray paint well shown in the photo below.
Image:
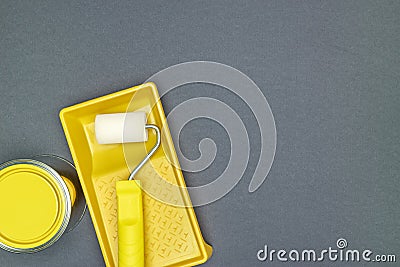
(172, 233)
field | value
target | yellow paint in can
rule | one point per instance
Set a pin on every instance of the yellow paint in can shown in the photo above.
(34, 207)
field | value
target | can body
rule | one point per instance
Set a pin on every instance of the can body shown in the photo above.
(36, 203)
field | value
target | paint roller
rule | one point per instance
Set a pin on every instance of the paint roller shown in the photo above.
(123, 128)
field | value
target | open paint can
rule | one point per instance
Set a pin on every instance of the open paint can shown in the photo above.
(40, 199)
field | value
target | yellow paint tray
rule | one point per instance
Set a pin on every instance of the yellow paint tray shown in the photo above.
(172, 233)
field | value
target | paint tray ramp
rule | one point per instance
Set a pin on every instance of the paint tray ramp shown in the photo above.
(171, 231)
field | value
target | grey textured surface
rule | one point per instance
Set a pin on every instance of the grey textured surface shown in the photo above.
(330, 71)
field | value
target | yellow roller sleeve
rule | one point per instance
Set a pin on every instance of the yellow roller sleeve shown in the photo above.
(130, 224)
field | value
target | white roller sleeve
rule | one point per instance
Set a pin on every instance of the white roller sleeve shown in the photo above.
(120, 128)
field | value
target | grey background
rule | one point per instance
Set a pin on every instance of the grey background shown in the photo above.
(330, 71)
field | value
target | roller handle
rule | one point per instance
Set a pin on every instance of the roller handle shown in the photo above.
(130, 224)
